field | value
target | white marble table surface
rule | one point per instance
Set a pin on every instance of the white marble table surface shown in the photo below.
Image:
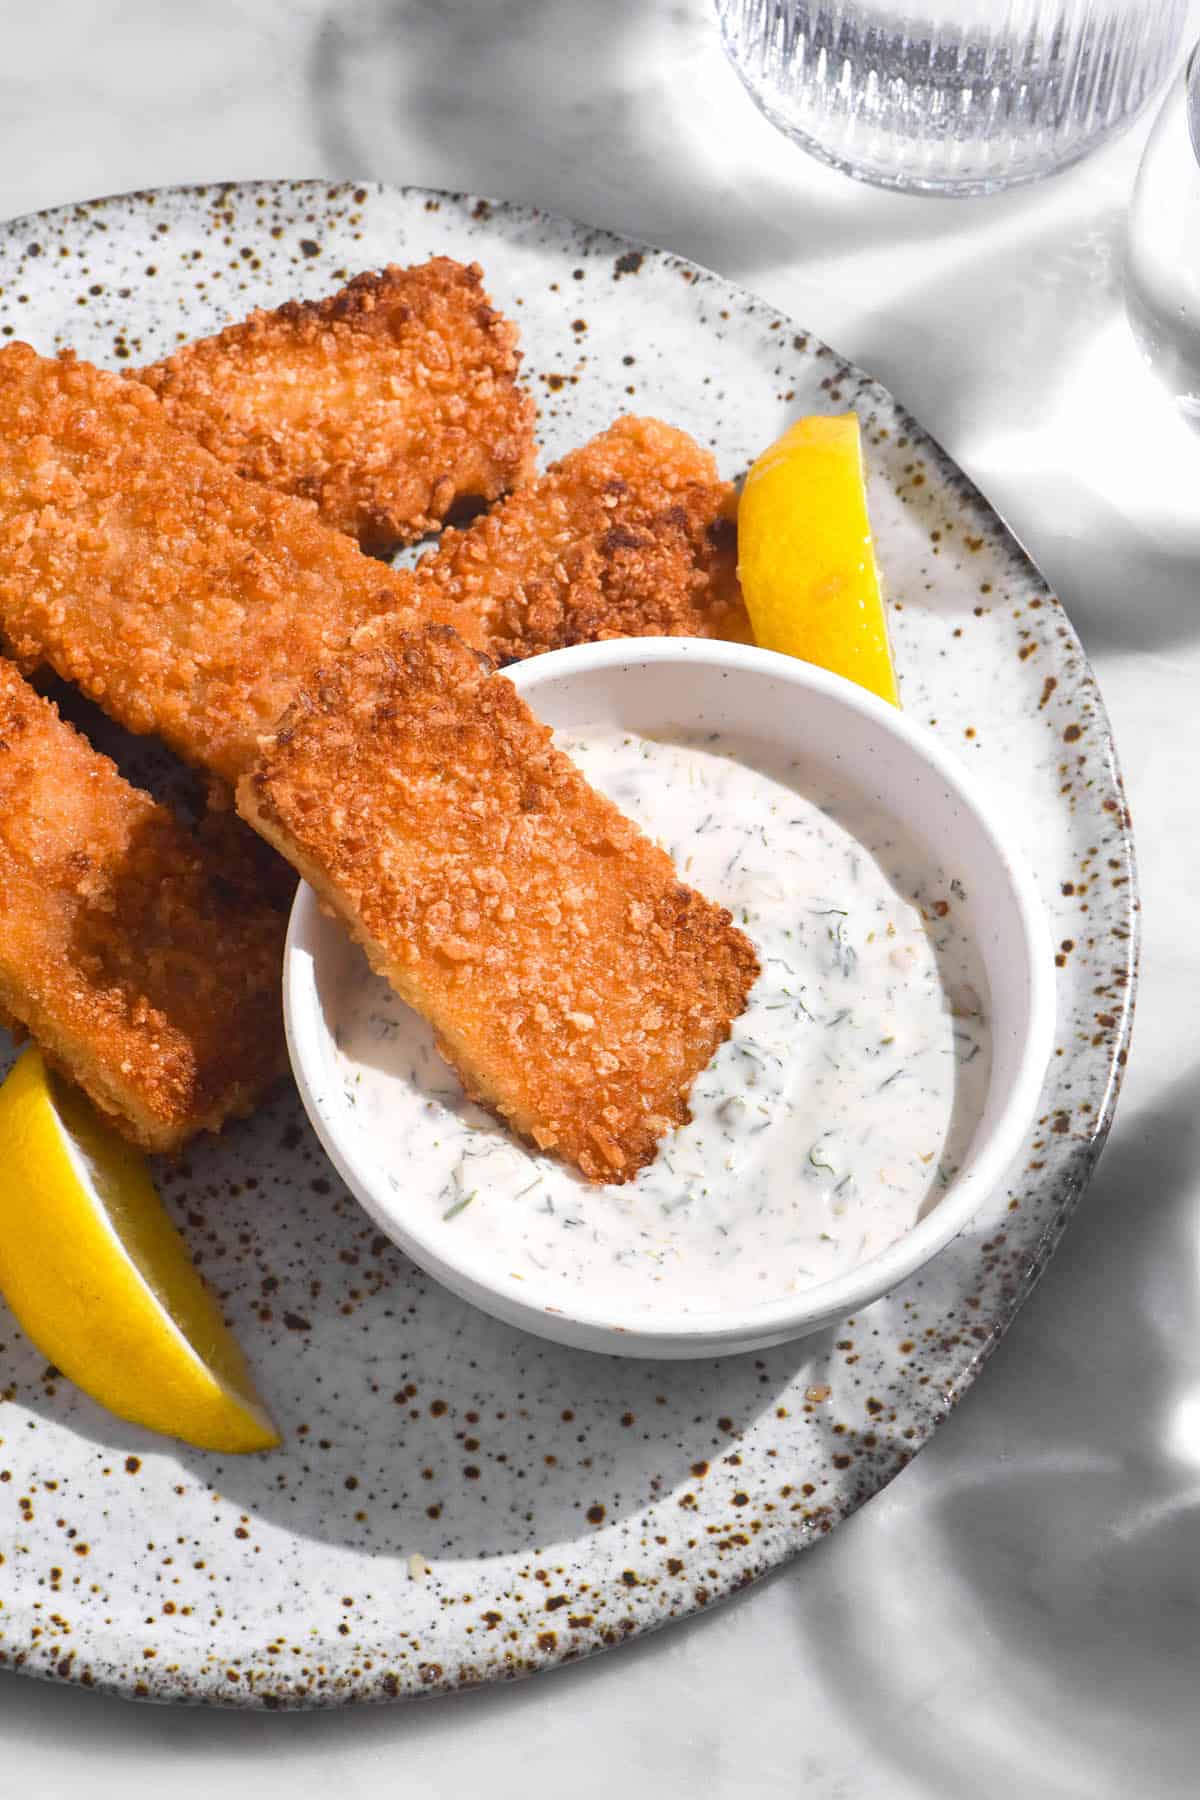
(1019, 1614)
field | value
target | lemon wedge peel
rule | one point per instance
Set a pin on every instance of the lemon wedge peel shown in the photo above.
(806, 561)
(101, 1281)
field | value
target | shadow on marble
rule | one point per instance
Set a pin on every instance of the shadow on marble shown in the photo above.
(622, 114)
(1066, 1558)
(1046, 401)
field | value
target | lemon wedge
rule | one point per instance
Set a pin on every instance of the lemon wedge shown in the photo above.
(805, 559)
(100, 1279)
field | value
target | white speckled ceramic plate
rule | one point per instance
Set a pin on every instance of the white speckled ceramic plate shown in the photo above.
(561, 1501)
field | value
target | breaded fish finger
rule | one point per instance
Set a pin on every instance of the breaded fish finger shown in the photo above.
(385, 403)
(182, 599)
(631, 535)
(575, 983)
(191, 603)
(144, 963)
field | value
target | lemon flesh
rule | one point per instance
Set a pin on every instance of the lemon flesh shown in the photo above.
(805, 558)
(100, 1279)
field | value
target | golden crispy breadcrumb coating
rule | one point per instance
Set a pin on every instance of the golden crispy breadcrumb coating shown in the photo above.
(574, 982)
(182, 599)
(145, 964)
(385, 403)
(191, 603)
(632, 535)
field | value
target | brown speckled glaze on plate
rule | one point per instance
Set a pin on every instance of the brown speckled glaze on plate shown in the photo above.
(555, 1502)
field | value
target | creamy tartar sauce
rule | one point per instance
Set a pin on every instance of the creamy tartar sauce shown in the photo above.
(830, 1121)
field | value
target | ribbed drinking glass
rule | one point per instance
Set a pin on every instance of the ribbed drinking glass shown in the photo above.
(958, 97)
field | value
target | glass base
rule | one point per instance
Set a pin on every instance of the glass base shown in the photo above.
(941, 187)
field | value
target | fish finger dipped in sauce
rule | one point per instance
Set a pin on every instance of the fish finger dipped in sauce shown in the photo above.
(573, 981)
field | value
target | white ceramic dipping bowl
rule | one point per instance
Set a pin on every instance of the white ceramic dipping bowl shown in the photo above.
(652, 685)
